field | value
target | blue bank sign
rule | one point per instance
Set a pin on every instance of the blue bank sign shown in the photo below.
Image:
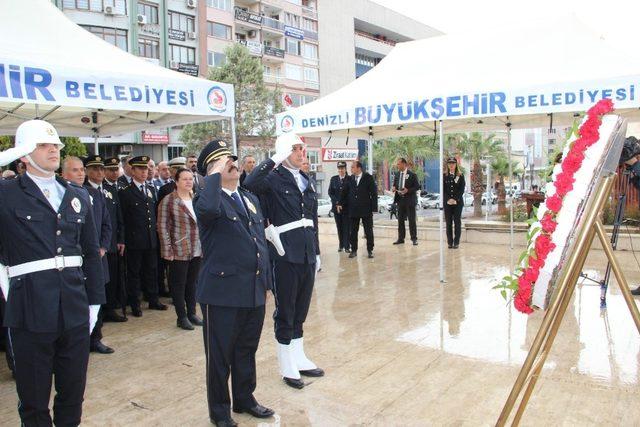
(577, 97)
(68, 87)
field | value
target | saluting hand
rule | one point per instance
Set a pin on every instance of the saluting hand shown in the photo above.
(218, 165)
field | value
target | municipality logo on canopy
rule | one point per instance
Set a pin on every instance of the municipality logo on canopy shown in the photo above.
(286, 124)
(217, 99)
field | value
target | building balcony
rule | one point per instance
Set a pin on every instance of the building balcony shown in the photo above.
(368, 43)
(274, 52)
(310, 35)
(272, 79)
(272, 24)
(311, 85)
(248, 17)
(308, 12)
(255, 48)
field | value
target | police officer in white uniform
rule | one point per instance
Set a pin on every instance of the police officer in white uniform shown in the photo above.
(51, 277)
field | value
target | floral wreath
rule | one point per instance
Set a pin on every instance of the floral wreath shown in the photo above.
(545, 222)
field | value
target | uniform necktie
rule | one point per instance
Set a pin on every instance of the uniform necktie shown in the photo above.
(142, 188)
(239, 204)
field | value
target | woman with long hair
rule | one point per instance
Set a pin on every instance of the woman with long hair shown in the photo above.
(453, 201)
(180, 246)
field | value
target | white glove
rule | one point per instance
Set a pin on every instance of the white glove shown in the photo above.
(318, 263)
(284, 146)
(93, 316)
(4, 282)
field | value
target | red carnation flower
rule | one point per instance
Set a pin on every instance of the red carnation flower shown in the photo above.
(536, 263)
(564, 184)
(603, 106)
(522, 306)
(543, 246)
(531, 274)
(548, 225)
(554, 203)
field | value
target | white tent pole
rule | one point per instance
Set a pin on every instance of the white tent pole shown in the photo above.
(95, 144)
(370, 151)
(442, 278)
(233, 135)
(512, 192)
(489, 198)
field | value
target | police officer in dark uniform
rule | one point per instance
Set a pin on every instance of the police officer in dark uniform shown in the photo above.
(343, 224)
(53, 282)
(139, 212)
(115, 287)
(453, 185)
(292, 206)
(125, 179)
(232, 285)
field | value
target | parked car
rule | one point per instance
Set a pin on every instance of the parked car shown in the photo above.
(324, 207)
(468, 199)
(432, 201)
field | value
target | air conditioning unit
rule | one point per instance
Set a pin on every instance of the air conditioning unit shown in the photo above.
(251, 33)
(108, 10)
(191, 4)
(174, 64)
(191, 35)
(142, 19)
(313, 167)
(126, 148)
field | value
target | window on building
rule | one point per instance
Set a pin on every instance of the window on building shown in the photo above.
(181, 22)
(313, 157)
(148, 48)
(186, 55)
(293, 46)
(309, 24)
(311, 74)
(291, 20)
(271, 71)
(150, 11)
(221, 31)
(174, 152)
(293, 72)
(119, 6)
(220, 4)
(216, 59)
(309, 51)
(112, 36)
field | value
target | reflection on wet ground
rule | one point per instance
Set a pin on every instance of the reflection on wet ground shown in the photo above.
(399, 348)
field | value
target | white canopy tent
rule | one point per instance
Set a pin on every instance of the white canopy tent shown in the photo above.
(53, 69)
(519, 77)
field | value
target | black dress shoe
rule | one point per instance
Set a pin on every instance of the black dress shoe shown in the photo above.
(398, 242)
(347, 250)
(184, 323)
(224, 423)
(112, 316)
(157, 306)
(317, 372)
(257, 411)
(136, 311)
(292, 382)
(98, 347)
(370, 254)
(195, 320)
(340, 250)
(415, 242)
(636, 291)
(353, 254)
(455, 246)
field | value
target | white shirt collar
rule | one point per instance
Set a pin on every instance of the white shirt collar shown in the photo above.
(41, 180)
(109, 182)
(293, 171)
(94, 185)
(229, 192)
(138, 184)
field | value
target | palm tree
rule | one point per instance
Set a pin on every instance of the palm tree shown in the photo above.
(475, 146)
(416, 149)
(501, 168)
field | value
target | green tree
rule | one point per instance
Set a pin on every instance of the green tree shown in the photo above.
(500, 167)
(72, 147)
(475, 146)
(416, 149)
(255, 104)
(6, 141)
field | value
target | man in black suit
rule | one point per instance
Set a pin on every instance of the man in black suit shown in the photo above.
(139, 212)
(405, 187)
(343, 225)
(232, 286)
(360, 197)
(248, 164)
(115, 287)
(125, 179)
(198, 180)
(53, 282)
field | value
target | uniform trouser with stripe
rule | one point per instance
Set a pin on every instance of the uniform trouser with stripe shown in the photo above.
(343, 227)
(39, 357)
(231, 337)
(293, 288)
(142, 271)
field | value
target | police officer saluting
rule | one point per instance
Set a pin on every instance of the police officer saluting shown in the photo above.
(232, 285)
(137, 202)
(53, 282)
(292, 206)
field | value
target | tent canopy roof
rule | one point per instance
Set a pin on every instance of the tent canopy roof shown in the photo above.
(516, 75)
(70, 74)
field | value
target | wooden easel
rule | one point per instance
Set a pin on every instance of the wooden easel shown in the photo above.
(590, 227)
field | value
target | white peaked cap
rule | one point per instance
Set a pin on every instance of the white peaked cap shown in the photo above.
(28, 135)
(286, 141)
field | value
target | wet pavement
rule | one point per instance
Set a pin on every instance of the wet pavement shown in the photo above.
(398, 346)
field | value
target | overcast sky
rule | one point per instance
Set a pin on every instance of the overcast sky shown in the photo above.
(613, 19)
